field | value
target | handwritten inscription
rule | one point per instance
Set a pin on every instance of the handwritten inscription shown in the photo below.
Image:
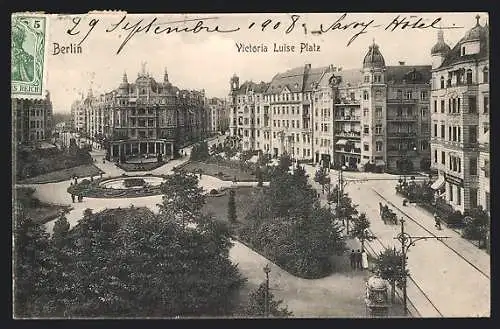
(133, 26)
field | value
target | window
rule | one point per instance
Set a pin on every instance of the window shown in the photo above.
(469, 76)
(459, 195)
(486, 75)
(442, 82)
(365, 112)
(378, 78)
(378, 129)
(486, 168)
(378, 112)
(366, 95)
(442, 106)
(463, 51)
(472, 134)
(473, 166)
(423, 111)
(435, 130)
(435, 156)
(293, 123)
(449, 133)
(454, 134)
(366, 147)
(366, 129)
(367, 78)
(378, 146)
(459, 138)
(443, 157)
(450, 188)
(423, 145)
(442, 131)
(435, 106)
(424, 95)
(458, 105)
(486, 105)
(409, 94)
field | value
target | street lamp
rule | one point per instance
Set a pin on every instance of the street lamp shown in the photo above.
(267, 270)
(406, 242)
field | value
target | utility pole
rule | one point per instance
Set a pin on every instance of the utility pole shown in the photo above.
(267, 270)
(406, 242)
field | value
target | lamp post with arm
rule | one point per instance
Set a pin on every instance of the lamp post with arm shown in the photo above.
(406, 242)
(267, 270)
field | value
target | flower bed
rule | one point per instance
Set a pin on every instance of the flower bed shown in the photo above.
(93, 189)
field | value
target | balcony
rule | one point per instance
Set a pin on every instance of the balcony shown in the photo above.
(356, 134)
(402, 101)
(346, 101)
(348, 118)
(401, 135)
(402, 118)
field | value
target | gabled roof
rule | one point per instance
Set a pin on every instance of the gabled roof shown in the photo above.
(400, 73)
(293, 79)
(454, 56)
(252, 86)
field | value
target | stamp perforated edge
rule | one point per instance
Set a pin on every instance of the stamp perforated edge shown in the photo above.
(43, 87)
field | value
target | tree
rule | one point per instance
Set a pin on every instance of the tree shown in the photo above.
(183, 199)
(322, 178)
(231, 207)
(477, 226)
(257, 303)
(346, 210)
(259, 175)
(32, 265)
(60, 230)
(361, 224)
(389, 266)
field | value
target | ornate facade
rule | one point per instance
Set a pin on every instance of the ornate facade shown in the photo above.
(378, 114)
(146, 117)
(460, 115)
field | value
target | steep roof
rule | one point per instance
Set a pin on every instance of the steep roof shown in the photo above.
(398, 74)
(293, 79)
(252, 86)
(454, 56)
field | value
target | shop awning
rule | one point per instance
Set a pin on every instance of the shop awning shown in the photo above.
(341, 142)
(438, 184)
(380, 163)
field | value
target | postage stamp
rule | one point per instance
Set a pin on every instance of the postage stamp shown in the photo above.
(28, 56)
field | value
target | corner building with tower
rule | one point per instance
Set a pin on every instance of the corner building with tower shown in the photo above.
(373, 118)
(460, 119)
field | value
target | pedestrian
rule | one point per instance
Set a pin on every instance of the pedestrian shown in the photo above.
(364, 259)
(352, 259)
(438, 222)
(72, 198)
(79, 198)
(91, 178)
(358, 259)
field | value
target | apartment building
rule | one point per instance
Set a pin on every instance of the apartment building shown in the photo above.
(460, 114)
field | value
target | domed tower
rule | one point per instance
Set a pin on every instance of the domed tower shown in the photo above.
(165, 77)
(124, 85)
(439, 50)
(470, 44)
(235, 83)
(373, 108)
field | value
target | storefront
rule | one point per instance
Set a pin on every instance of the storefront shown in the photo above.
(125, 149)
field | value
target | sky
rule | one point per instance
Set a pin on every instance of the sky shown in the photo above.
(208, 60)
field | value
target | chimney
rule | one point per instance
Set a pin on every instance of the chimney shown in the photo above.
(401, 63)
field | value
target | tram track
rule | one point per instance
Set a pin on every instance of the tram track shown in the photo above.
(431, 233)
(411, 280)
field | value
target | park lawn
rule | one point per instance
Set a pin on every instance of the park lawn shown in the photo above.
(244, 198)
(213, 169)
(64, 174)
(45, 212)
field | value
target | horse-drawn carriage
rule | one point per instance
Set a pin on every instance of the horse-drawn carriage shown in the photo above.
(387, 215)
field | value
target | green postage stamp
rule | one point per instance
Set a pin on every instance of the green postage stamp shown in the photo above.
(28, 56)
